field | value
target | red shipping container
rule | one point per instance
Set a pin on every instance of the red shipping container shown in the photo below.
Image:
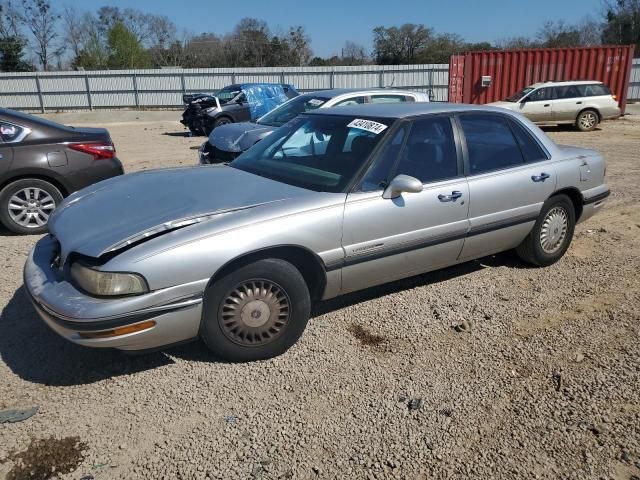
(512, 70)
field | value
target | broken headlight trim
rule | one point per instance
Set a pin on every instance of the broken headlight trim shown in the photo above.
(107, 284)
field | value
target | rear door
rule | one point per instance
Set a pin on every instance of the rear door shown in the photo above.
(510, 176)
(567, 103)
(538, 106)
(387, 239)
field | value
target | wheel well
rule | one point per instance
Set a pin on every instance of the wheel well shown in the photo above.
(224, 115)
(307, 262)
(593, 110)
(45, 178)
(576, 198)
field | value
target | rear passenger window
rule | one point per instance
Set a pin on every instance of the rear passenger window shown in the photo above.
(530, 149)
(490, 143)
(567, 91)
(430, 153)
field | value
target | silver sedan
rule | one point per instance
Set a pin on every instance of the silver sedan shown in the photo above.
(337, 200)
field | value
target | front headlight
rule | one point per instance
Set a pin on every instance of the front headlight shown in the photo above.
(108, 283)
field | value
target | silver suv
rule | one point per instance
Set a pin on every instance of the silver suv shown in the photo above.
(583, 104)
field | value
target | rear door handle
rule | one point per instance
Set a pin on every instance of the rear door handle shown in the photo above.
(540, 178)
(450, 198)
(578, 103)
(1, 156)
(547, 104)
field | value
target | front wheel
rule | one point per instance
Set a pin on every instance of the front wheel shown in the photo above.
(255, 312)
(552, 233)
(587, 120)
(26, 204)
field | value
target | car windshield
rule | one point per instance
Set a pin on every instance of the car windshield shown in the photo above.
(516, 97)
(228, 93)
(317, 152)
(291, 109)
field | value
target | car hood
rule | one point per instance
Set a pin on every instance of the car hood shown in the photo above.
(508, 105)
(118, 212)
(238, 137)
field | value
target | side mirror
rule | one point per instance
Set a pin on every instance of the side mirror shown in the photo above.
(401, 184)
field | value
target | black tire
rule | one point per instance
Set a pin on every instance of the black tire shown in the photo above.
(224, 311)
(9, 217)
(221, 121)
(587, 120)
(532, 250)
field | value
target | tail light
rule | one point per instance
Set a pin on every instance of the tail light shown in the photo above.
(99, 150)
(615, 97)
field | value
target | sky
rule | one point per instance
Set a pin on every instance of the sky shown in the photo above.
(330, 23)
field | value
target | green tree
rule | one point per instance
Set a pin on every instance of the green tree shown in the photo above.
(125, 50)
(622, 23)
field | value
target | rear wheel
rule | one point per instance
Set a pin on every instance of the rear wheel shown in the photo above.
(552, 233)
(255, 312)
(26, 204)
(587, 120)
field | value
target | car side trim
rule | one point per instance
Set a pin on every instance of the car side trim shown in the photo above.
(430, 242)
(596, 198)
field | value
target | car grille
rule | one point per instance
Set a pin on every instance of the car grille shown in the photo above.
(215, 155)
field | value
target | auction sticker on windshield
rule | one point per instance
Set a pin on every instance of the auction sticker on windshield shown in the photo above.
(368, 125)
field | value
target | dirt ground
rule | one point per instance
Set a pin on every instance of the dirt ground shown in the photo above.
(486, 370)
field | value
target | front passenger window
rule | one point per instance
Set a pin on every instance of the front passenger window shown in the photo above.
(350, 101)
(540, 95)
(430, 154)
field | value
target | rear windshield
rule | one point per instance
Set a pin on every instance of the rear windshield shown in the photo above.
(291, 109)
(317, 152)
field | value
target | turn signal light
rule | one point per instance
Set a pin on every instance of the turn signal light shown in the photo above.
(116, 332)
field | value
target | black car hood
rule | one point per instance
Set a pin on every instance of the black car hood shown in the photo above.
(238, 137)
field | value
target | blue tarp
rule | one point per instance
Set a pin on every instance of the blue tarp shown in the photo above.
(263, 97)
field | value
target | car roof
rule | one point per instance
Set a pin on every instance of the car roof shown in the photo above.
(568, 82)
(336, 92)
(403, 110)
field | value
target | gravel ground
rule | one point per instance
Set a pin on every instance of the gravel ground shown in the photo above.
(489, 369)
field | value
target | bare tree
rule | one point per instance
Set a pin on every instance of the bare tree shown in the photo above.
(41, 20)
(354, 53)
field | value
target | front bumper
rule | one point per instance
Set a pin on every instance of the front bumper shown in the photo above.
(83, 319)
(208, 154)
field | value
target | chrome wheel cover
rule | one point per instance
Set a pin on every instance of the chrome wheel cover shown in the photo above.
(31, 207)
(554, 230)
(255, 312)
(588, 120)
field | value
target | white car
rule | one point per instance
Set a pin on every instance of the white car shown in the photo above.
(583, 104)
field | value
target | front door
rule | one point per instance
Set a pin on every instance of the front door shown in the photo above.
(387, 239)
(538, 105)
(510, 177)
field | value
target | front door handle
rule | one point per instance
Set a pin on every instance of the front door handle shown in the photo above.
(540, 178)
(450, 198)
(547, 104)
(1, 156)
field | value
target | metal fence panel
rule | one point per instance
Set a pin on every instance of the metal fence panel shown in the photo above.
(43, 91)
(634, 81)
